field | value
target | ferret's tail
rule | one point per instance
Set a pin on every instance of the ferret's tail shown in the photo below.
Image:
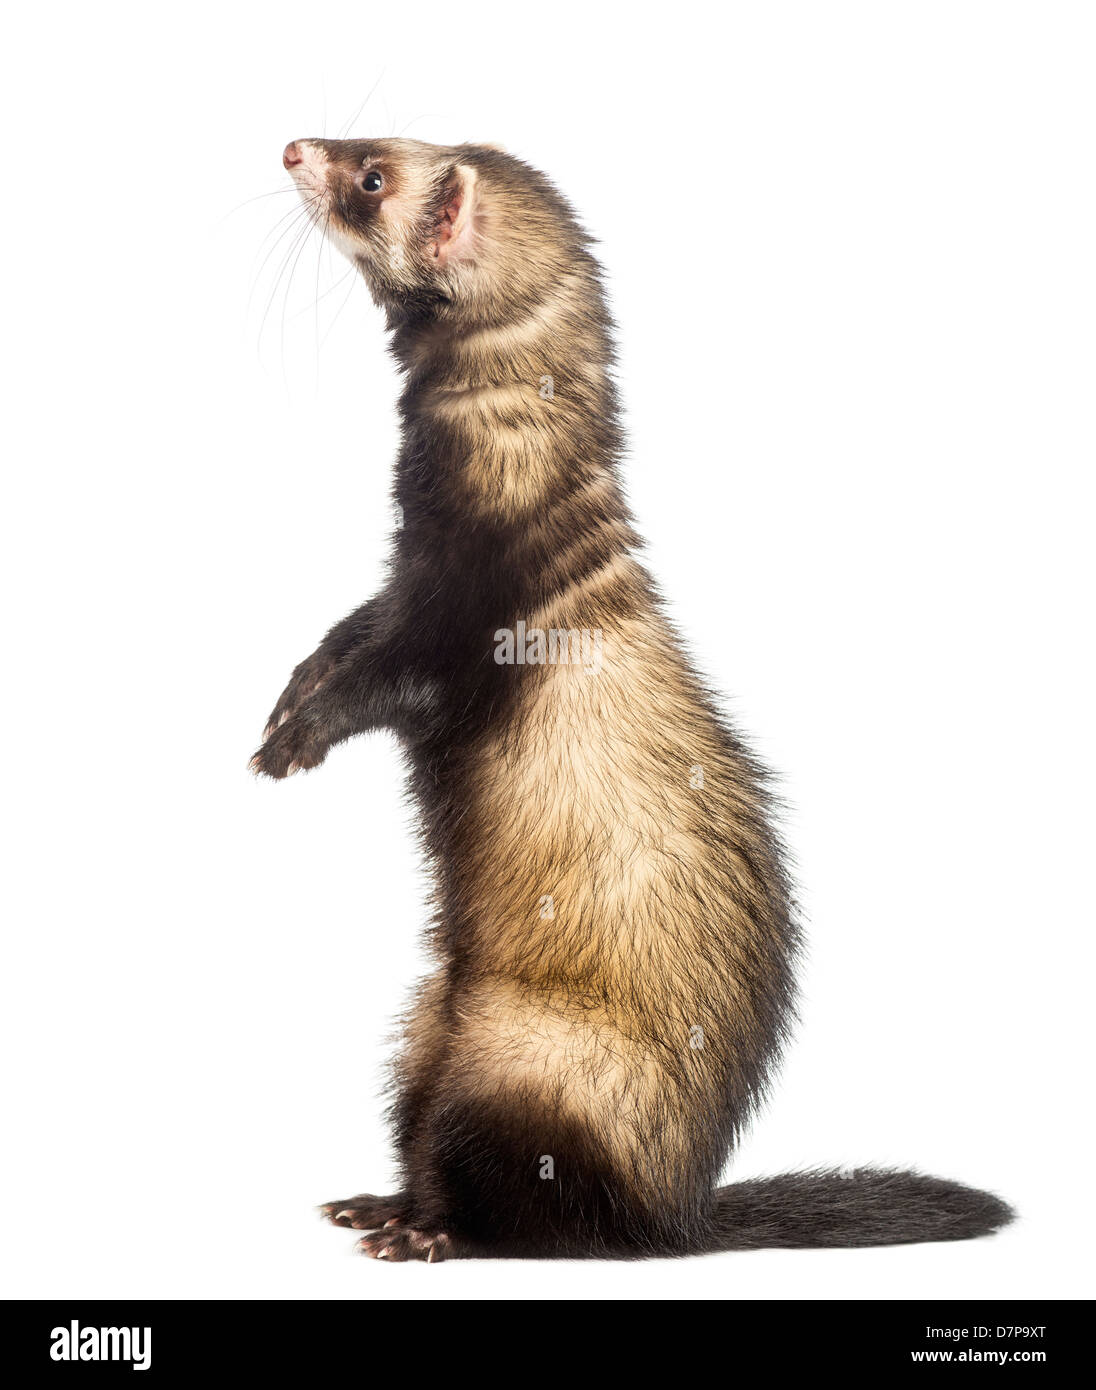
(864, 1206)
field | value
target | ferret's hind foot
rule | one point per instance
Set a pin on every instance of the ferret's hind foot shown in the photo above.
(400, 1243)
(367, 1212)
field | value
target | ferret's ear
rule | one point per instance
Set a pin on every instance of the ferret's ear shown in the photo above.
(454, 230)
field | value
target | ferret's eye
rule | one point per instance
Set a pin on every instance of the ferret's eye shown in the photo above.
(372, 182)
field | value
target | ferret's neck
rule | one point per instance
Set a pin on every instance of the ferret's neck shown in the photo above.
(510, 432)
(502, 416)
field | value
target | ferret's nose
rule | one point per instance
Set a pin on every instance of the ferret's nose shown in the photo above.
(291, 155)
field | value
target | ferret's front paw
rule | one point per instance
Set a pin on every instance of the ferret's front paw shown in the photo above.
(367, 1212)
(296, 745)
(305, 681)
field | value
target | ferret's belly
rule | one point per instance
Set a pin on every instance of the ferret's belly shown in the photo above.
(594, 862)
(606, 936)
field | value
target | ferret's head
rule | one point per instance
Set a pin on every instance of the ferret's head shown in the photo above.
(463, 231)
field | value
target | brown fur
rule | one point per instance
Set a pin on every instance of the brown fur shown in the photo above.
(613, 930)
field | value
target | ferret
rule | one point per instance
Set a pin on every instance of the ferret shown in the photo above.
(613, 926)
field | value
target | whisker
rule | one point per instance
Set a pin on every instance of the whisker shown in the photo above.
(342, 306)
(290, 229)
(316, 301)
(344, 128)
(330, 289)
(274, 193)
(300, 236)
(288, 289)
(291, 216)
(430, 116)
(295, 215)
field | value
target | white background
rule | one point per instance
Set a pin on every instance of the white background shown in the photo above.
(850, 252)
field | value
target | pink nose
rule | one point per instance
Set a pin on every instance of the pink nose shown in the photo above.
(292, 156)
